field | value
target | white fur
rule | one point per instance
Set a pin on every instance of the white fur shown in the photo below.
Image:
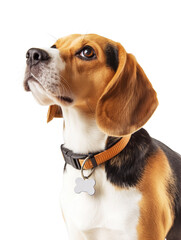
(58, 62)
(111, 213)
(81, 134)
(39, 93)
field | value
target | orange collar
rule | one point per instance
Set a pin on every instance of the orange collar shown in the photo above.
(93, 160)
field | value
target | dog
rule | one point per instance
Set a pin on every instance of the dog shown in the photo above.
(118, 183)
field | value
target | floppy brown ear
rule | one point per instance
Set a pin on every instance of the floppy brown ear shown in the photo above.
(128, 101)
(54, 111)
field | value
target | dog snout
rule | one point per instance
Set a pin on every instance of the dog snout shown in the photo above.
(36, 55)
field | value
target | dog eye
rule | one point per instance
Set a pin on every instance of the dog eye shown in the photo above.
(87, 53)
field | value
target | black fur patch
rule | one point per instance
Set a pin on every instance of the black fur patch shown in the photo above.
(126, 169)
(112, 56)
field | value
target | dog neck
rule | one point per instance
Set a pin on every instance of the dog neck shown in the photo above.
(81, 134)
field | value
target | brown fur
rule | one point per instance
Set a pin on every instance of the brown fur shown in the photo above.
(156, 213)
(132, 94)
(54, 111)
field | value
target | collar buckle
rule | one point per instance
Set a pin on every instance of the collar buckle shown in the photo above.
(75, 163)
(70, 157)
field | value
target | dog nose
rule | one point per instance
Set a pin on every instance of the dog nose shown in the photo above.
(36, 55)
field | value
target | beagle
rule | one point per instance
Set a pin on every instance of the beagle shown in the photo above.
(118, 182)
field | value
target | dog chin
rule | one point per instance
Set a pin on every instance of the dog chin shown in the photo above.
(42, 97)
(45, 98)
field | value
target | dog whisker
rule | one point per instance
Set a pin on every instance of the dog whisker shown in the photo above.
(35, 77)
(66, 83)
(90, 108)
(55, 38)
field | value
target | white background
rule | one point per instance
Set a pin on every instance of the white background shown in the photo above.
(30, 160)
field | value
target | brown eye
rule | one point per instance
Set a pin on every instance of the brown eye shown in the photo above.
(87, 53)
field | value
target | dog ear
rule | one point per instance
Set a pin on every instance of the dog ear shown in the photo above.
(128, 100)
(54, 111)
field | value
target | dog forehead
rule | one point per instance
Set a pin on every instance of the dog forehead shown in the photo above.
(76, 40)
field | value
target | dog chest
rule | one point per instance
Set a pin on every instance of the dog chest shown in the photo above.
(109, 210)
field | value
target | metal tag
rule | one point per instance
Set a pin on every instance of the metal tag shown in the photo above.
(85, 185)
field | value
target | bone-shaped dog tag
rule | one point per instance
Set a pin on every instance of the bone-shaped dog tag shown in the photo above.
(86, 185)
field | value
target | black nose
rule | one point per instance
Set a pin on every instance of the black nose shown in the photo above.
(36, 55)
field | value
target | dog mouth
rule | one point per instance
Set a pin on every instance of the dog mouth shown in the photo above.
(62, 99)
(26, 85)
(65, 99)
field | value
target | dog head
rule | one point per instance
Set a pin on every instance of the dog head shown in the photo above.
(95, 75)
